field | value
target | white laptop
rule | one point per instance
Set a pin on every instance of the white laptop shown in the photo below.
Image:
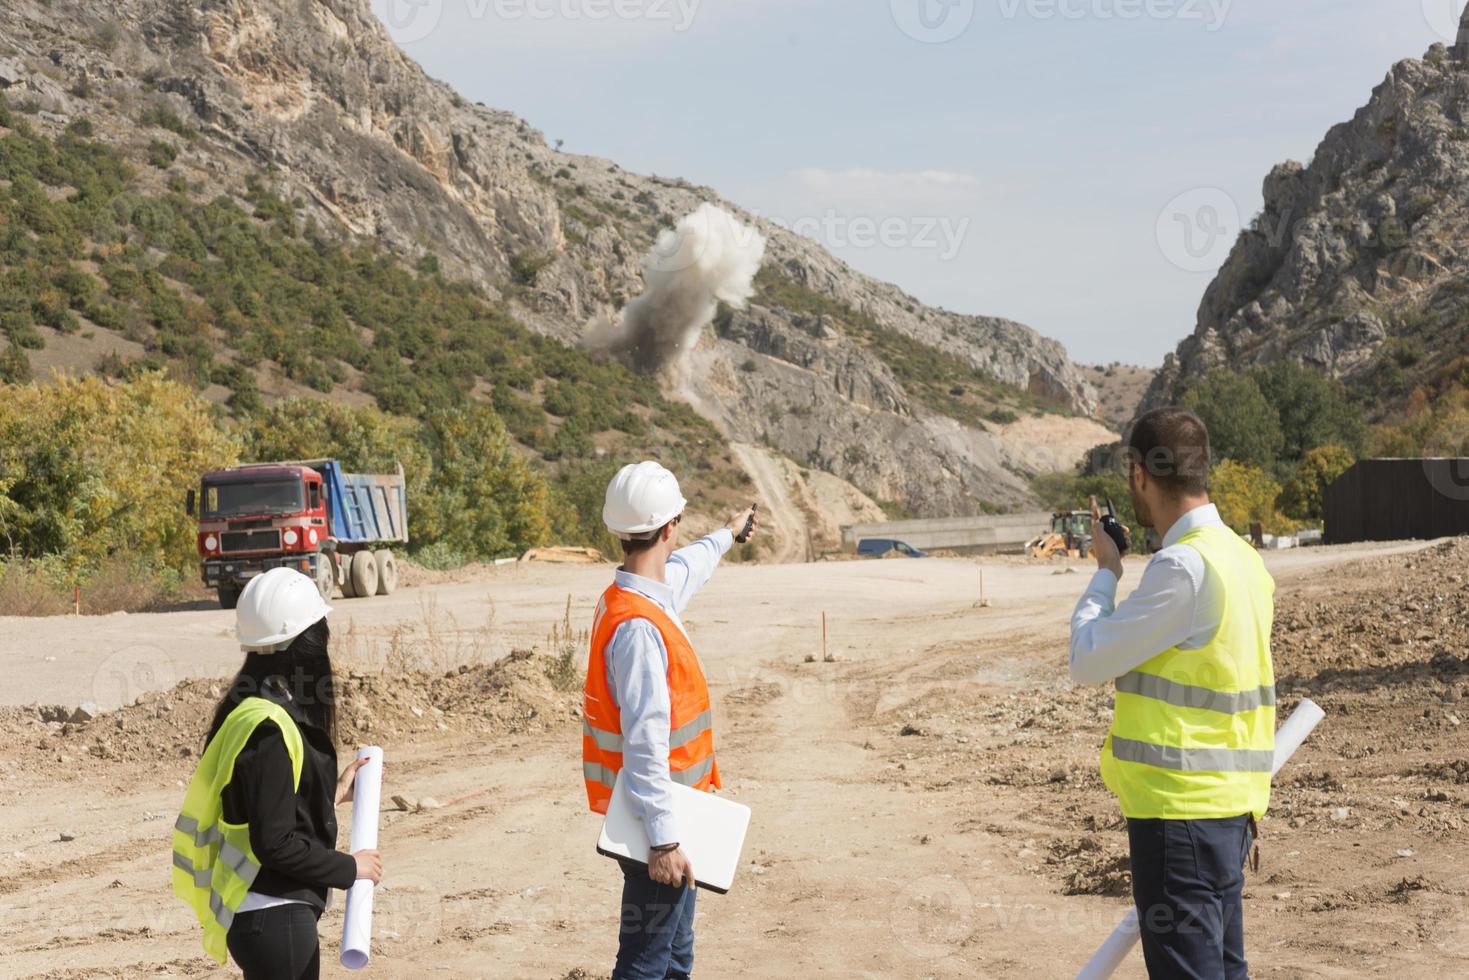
(713, 832)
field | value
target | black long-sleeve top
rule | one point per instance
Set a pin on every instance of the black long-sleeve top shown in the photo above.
(292, 831)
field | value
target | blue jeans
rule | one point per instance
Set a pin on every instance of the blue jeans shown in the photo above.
(1187, 876)
(656, 938)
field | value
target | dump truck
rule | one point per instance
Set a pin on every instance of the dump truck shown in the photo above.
(1070, 535)
(313, 516)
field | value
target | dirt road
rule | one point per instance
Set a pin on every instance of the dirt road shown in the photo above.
(924, 807)
(781, 520)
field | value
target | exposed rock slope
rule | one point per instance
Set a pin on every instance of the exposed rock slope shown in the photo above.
(1359, 262)
(315, 94)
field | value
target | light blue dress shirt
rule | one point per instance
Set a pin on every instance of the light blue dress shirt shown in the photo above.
(1177, 604)
(637, 674)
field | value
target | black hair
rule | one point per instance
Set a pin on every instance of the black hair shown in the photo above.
(639, 545)
(1172, 447)
(303, 671)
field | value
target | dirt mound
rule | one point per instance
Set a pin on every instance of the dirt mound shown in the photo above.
(1391, 625)
(510, 696)
(1382, 646)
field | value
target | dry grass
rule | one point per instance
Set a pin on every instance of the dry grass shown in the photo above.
(27, 591)
(568, 646)
(437, 643)
(46, 588)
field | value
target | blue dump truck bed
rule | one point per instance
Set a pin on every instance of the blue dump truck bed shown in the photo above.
(364, 509)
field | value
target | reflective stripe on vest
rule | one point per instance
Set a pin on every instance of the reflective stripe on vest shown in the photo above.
(213, 864)
(1193, 731)
(1192, 696)
(691, 760)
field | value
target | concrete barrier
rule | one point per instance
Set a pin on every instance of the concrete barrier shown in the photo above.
(988, 534)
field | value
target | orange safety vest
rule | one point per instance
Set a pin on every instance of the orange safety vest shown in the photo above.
(691, 727)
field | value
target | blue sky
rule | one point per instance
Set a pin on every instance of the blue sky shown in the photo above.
(1078, 165)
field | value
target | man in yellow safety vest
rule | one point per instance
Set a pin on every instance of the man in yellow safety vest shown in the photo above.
(1193, 730)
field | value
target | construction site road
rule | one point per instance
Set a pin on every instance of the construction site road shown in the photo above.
(924, 795)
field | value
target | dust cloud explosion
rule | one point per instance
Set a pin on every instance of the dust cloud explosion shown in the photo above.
(707, 258)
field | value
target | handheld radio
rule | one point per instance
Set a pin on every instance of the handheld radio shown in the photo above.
(744, 535)
(1114, 528)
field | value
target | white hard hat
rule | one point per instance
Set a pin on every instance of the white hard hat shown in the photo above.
(275, 608)
(641, 498)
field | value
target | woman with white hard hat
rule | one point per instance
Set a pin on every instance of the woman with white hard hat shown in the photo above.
(255, 842)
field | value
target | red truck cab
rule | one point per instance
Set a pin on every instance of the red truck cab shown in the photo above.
(255, 518)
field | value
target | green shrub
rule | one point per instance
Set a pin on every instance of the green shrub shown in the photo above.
(162, 154)
(525, 267)
(165, 118)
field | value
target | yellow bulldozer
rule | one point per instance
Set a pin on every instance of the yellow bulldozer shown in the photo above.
(1070, 536)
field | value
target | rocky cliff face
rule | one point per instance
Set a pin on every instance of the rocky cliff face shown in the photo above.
(1359, 262)
(313, 94)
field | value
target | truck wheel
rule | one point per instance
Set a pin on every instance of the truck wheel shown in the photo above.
(326, 577)
(387, 572)
(342, 566)
(229, 597)
(364, 574)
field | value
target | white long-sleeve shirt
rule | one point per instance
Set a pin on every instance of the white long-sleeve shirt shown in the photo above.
(1177, 604)
(637, 674)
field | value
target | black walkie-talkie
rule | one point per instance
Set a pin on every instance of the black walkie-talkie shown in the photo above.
(744, 535)
(1114, 528)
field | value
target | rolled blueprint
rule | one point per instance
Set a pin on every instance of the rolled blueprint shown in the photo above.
(1109, 957)
(366, 797)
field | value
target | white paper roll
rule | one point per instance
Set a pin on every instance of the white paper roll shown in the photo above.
(366, 799)
(1109, 957)
(1105, 961)
(1301, 723)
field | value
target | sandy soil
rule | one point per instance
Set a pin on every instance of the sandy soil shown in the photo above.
(925, 806)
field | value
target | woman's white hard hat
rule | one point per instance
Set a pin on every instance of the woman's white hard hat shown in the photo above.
(275, 608)
(641, 498)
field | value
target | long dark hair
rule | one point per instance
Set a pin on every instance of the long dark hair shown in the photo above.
(303, 671)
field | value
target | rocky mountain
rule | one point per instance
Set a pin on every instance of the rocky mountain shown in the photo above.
(832, 368)
(1359, 262)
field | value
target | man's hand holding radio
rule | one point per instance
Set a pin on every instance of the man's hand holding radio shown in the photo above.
(1103, 546)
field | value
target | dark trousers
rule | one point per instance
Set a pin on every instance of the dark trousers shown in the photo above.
(276, 944)
(656, 938)
(1187, 876)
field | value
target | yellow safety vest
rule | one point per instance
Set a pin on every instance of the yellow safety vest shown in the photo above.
(1193, 731)
(213, 864)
